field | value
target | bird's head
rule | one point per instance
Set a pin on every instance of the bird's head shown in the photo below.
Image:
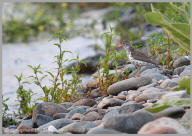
(127, 45)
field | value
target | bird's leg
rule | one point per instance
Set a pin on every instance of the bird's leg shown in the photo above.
(138, 71)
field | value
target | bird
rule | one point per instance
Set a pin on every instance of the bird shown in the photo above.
(136, 57)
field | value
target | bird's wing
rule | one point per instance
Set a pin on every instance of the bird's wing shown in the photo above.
(142, 57)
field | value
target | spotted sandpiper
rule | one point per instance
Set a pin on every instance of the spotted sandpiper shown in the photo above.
(136, 57)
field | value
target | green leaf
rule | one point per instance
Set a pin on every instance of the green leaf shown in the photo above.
(184, 84)
(58, 45)
(179, 32)
(165, 103)
(50, 74)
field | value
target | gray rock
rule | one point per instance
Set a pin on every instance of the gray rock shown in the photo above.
(130, 108)
(110, 114)
(26, 124)
(80, 109)
(151, 90)
(109, 102)
(59, 123)
(182, 61)
(123, 93)
(185, 120)
(179, 70)
(163, 122)
(128, 123)
(91, 62)
(42, 119)
(90, 116)
(67, 104)
(168, 83)
(101, 130)
(176, 94)
(95, 93)
(187, 72)
(149, 96)
(59, 115)
(85, 102)
(128, 84)
(140, 89)
(78, 127)
(131, 96)
(12, 127)
(47, 108)
(143, 68)
(173, 112)
(154, 74)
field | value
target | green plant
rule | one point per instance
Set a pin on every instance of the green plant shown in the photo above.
(105, 77)
(24, 97)
(159, 44)
(61, 89)
(165, 103)
(184, 84)
(6, 119)
(109, 38)
(177, 30)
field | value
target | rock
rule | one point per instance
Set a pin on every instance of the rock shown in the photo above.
(49, 130)
(143, 68)
(130, 108)
(91, 64)
(176, 94)
(128, 84)
(78, 127)
(149, 96)
(185, 120)
(12, 127)
(161, 130)
(132, 95)
(123, 93)
(129, 67)
(56, 123)
(182, 61)
(52, 129)
(26, 124)
(97, 122)
(173, 112)
(101, 130)
(140, 89)
(152, 90)
(95, 93)
(110, 114)
(42, 119)
(77, 116)
(9, 131)
(59, 115)
(47, 108)
(92, 84)
(80, 109)
(154, 74)
(109, 102)
(91, 116)
(67, 104)
(163, 122)
(187, 72)
(121, 97)
(28, 131)
(128, 102)
(85, 102)
(168, 83)
(128, 123)
(179, 70)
